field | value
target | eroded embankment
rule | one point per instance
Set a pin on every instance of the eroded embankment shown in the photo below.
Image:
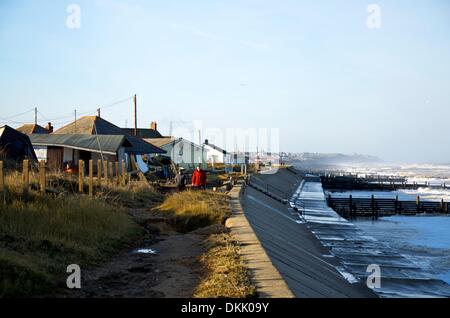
(304, 263)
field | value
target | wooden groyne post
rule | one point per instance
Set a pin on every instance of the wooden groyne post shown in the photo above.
(418, 204)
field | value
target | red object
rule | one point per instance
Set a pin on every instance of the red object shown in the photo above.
(199, 178)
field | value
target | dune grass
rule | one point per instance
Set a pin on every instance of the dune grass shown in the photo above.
(41, 234)
(189, 210)
(226, 274)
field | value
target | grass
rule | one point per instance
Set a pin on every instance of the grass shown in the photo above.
(226, 275)
(189, 210)
(41, 234)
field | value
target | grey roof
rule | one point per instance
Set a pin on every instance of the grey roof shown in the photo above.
(143, 132)
(108, 144)
(92, 125)
(141, 146)
(215, 147)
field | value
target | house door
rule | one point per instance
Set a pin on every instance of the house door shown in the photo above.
(55, 158)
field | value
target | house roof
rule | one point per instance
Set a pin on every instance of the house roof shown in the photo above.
(29, 129)
(166, 141)
(15, 145)
(94, 125)
(144, 133)
(215, 147)
(108, 144)
(90, 125)
(159, 142)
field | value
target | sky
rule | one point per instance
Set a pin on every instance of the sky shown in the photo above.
(312, 70)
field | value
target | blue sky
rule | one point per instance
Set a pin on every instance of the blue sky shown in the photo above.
(310, 68)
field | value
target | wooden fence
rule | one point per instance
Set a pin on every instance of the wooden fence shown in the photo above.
(106, 176)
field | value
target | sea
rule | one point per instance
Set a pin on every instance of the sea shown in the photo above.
(424, 240)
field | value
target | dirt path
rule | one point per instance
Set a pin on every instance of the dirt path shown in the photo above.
(174, 271)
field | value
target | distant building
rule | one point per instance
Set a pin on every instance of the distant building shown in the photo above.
(15, 146)
(238, 158)
(30, 129)
(215, 154)
(183, 152)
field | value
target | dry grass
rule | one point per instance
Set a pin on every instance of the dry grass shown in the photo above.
(189, 210)
(41, 234)
(227, 275)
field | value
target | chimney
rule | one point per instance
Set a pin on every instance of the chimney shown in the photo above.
(153, 125)
(49, 127)
(206, 141)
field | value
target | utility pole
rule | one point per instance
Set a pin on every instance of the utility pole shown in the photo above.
(35, 115)
(135, 115)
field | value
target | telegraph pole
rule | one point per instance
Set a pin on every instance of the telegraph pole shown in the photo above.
(135, 115)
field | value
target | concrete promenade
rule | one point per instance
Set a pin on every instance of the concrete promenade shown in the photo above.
(304, 263)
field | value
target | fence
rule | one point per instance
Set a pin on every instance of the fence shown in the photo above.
(106, 175)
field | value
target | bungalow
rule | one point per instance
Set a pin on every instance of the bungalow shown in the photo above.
(60, 151)
(15, 146)
(183, 152)
(95, 125)
(216, 154)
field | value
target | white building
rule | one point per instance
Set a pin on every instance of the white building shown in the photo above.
(183, 152)
(216, 154)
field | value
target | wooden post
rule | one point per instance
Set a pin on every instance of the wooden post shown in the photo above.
(105, 172)
(80, 175)
(26, 175)
(372, 205)
(350, 204)
(396, 205)
(42, 176)
(124, 173)
(91, 177)
(117, 173)
(418, 204)
(99, 173)
(111, 173)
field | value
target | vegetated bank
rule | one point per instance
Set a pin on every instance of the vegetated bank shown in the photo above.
(42, 233)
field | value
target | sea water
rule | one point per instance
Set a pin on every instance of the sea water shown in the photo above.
(425, 240)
